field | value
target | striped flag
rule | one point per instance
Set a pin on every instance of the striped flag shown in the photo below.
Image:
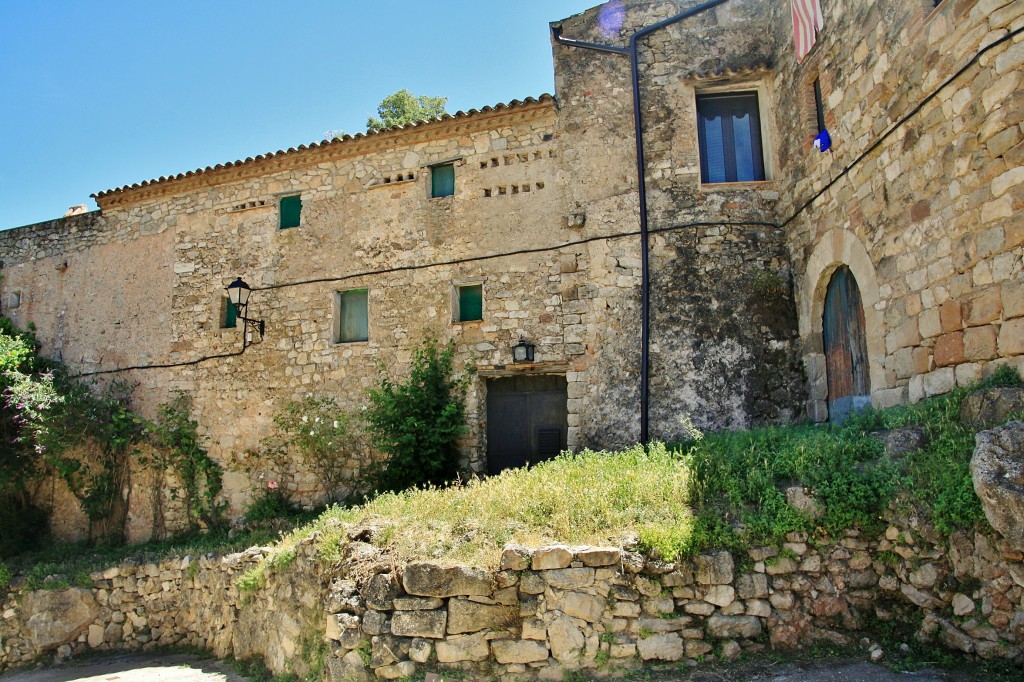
(807, 21)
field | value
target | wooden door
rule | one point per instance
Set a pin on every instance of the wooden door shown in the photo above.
(527, 420)
(846, 348)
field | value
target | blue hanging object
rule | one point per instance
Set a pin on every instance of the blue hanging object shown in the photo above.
(822, 141)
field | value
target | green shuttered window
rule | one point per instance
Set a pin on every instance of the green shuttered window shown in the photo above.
(353, 316)
(230, 314)
(442, 181)
(471, 303)
(291, 211)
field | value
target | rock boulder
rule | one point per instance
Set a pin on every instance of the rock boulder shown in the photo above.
(58, 617)
(997, 469)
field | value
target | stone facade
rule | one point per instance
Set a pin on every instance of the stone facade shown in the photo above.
(919, 197)
(541, 611)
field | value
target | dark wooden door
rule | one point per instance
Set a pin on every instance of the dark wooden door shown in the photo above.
(846, 348)
(527, 420)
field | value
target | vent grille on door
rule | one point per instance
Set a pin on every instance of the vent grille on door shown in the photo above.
(549, 442)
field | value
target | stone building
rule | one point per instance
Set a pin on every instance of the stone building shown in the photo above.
(784, 282)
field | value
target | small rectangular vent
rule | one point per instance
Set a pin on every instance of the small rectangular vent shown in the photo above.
(549, 442)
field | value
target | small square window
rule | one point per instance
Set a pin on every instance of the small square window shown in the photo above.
(229, 316)
(442, 181)
(352, 318)
(729, 134)
(291, 211)
(469, 302)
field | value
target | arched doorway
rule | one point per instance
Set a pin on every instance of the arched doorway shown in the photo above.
(846, 348)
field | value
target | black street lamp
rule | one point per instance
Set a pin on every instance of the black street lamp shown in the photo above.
(522, 351)
(238, 293)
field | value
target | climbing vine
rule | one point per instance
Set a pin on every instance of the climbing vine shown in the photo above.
(179, 449)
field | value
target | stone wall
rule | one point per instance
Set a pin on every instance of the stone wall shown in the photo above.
(922, 204)
(711, 330)
(541, 611)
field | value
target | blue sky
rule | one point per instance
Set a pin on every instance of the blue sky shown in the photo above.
(98, 94)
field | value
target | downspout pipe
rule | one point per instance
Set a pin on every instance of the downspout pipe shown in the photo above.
(645, 279)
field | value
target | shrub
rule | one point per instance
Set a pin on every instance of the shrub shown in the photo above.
(325, 436)
(417, 420)
(176, 435)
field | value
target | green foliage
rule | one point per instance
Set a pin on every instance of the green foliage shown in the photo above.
(5, 576)
(739, 477)
(402, 108)
(417, 420)
(270, 506)
(177, 436)
(323, 435)
(314, 651)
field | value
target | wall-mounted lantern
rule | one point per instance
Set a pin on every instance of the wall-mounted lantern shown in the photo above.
(238, 293)
(522, 351)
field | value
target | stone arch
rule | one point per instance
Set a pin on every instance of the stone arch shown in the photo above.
(835, 248)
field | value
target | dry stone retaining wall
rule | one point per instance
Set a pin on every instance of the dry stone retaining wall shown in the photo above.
(542, 611)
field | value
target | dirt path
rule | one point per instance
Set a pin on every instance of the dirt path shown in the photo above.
(187, 668)
(134, 668)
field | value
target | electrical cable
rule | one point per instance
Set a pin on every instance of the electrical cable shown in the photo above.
(618, 235)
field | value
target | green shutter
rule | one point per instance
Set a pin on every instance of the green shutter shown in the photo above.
(291, 211)
(354, 316)
(442, 181)
(471, 303)
(230, 314)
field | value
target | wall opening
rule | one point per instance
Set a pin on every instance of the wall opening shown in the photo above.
(845, 344)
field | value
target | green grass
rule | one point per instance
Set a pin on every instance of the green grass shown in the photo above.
(717, 490)
(591, 498)
(71, 563)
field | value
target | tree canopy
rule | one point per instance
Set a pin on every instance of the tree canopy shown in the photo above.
(402, 108)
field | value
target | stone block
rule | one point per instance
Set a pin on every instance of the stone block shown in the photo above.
(1012, 296)
(904, 335)
(715, 568)
(734, 626)
(428, 624)
(512, 651)
(566, 640)
(661, 647)
(758, 607)
(1011, 337)
(551, 557)
(588, 607)
(417, 603)
(951, 316)
(752, 586)
(420, 650)
(720, 595)
(430, 579)
(980, 343)
(515, 558)
(929, 323)
(983, 308)
(949, 349)
(569, 578)
(58, 616)
(463, 648)
(599, 556)
(940, 381)
(467, 616)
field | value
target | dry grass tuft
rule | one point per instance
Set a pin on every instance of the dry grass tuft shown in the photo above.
(588, 498)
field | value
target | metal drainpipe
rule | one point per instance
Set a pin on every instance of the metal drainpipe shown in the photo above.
(645, 281)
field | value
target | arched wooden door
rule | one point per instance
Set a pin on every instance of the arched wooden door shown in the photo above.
(846, 348)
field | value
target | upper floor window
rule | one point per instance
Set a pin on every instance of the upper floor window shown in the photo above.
(729, 134)
(442, 180)
(469, 302)
(352, 318)
(291, 211)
